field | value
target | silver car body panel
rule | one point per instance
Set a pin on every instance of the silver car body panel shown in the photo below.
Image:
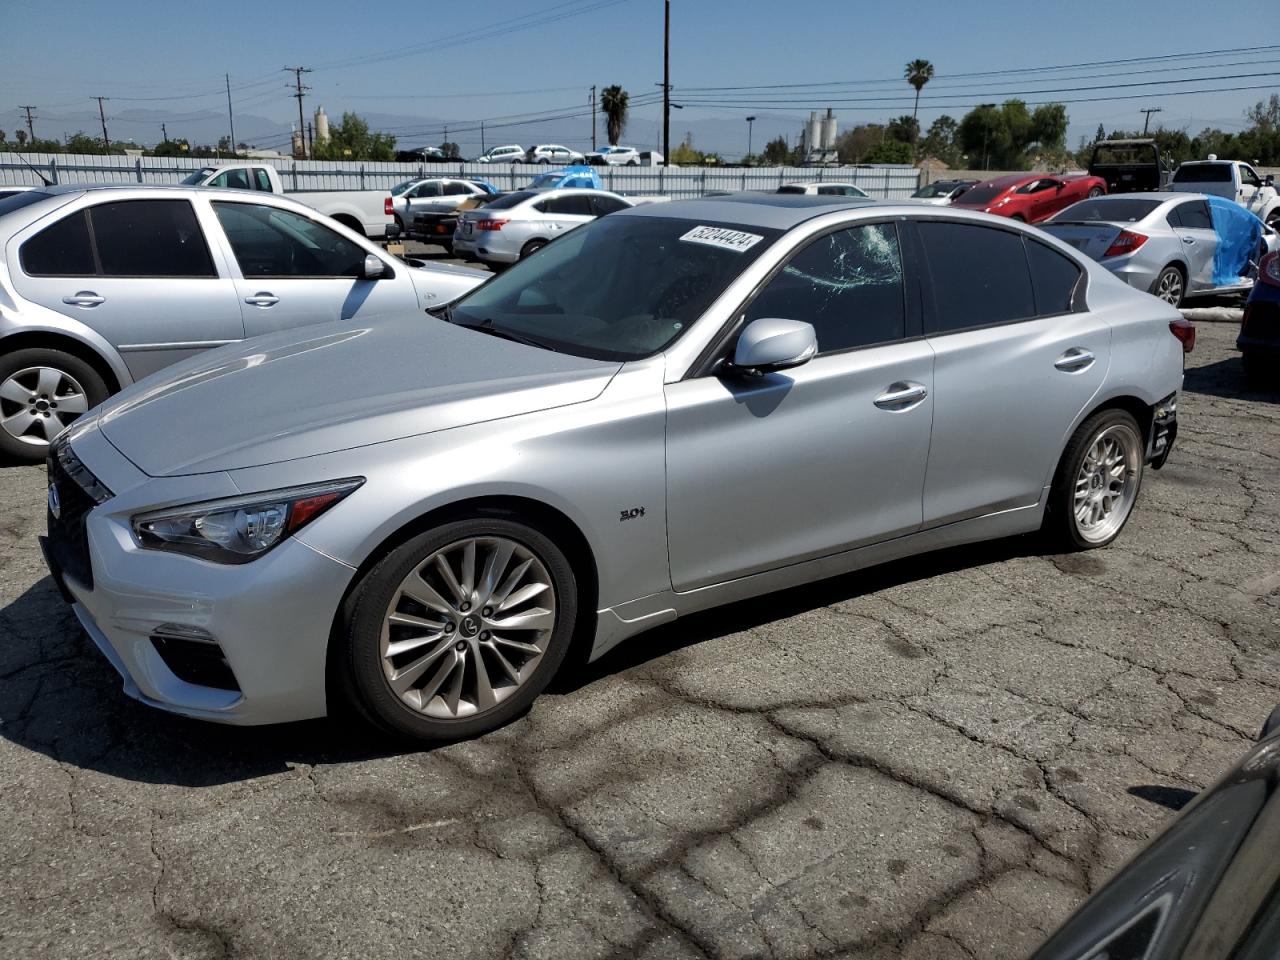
(145, 324)
(728, 489)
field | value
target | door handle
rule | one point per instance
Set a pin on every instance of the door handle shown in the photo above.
(1074, 360)
(902, 395)
(262, 300)
(85, 298)
(1188, 239)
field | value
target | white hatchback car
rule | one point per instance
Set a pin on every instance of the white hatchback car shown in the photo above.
(515, 225)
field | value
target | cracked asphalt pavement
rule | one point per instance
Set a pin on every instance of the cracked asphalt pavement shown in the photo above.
(935, 759)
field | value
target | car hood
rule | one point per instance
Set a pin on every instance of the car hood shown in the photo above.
(334, 386)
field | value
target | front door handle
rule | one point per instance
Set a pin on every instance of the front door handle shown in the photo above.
(902, 395)
(262, 300)
(85, 298)
(1074, 360)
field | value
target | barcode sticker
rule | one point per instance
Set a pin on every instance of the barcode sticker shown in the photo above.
(721, 237)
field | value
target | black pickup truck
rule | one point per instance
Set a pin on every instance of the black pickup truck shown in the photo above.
(1129, 166)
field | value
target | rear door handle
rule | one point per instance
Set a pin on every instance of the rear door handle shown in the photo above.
(85, 298)
(1074, 360)
(1188, 239)
(262, 300)
(902, 395)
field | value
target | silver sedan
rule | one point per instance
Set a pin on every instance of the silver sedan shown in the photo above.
(1163, 243)
(667, 409)
(101, 286)
(516, 225)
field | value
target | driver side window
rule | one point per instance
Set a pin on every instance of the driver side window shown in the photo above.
(271, 242)
(848, 284)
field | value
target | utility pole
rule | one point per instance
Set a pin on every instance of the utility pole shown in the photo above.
(1147, 112)
(106, 141)
(300, 90)
(231, 120)
(750, 123)
(311, 140)
(666, 81)
(593, 118)
(30, 129)
(481, 137)
(164, 134)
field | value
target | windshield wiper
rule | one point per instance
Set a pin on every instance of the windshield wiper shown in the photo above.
(486, 326)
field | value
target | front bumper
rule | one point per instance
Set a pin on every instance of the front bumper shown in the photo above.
(270, 620)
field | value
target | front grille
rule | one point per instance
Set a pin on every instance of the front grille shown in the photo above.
(197, 661)
(68, 538)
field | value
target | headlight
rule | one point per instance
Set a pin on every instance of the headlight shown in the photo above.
(238, 529)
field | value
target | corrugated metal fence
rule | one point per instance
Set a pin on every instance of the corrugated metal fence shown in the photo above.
(676, 182)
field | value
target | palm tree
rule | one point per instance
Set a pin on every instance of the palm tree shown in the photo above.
(613, 101)
(918, 73)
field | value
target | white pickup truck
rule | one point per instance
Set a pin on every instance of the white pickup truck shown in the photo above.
(367, 212)
(1234, 180)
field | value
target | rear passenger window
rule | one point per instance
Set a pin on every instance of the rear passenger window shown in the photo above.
(1053, 278)
(150, 238)
(980, 275)
(264, 182)
(848, 284)
(60, 250)
(237, 179)
(1195, 215)
(571, 205)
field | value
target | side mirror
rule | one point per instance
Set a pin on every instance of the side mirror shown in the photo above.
(772, 343)
(373, 268)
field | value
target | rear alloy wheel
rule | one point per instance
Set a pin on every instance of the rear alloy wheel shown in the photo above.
(41, 392)
(533, 246)
(1097, 482)
(458, 630)
(1095, 192)
(1170, 286)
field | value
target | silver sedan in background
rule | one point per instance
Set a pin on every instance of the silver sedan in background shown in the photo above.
(1163, 243)
(515, 225)
(102, 285)
(668, 409)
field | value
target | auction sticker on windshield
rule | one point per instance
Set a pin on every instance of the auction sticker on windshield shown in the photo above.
(723, 238)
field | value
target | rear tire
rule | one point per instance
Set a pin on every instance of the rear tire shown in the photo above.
(1097, 482)
(459, 671)
(1170, 285)
(533, 246)
(1095, 192)
(42, 391)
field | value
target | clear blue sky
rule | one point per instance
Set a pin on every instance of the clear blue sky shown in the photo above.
(389, 59)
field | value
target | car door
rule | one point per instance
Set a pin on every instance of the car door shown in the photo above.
(603, 204)
(1046, 199)
(139, 272)
(421, 198)
(1017, 360)
(566, 211)
(1193, 224)
(1250, 185)
(802, 463)
(291, 270)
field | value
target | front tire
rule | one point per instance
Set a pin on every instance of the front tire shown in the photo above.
(455, 632)
(1097, 482)
(41, 392)
(533, 246)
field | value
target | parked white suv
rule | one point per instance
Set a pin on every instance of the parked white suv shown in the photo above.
(615, 157)
(554, 153)
(511, 153)
(1234, 180)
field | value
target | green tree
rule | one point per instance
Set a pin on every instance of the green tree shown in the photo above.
(614, 101)
(81, 142)
(350, 139)
(940, 142)
(450, 150)
(917, 73)
(1010, 137)
(172, 148)
(853, 145)
(890, 151)
(22, 138)
(904, 128)
(776, 152)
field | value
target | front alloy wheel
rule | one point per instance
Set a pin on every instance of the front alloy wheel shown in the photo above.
(457, 630)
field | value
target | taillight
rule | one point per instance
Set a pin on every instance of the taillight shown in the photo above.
(1126, 241)
(1269, 269)
(490, 224)
(1184, 330)
(388, 206)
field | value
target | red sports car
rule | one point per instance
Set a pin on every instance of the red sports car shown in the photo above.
(1030, 197)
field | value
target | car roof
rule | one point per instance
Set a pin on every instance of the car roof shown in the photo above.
(1160, 196)
(778, 211)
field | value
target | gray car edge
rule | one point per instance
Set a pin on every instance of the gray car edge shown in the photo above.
(592, 450)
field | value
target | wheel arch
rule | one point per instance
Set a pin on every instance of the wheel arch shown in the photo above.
(110, 367)
(557, 525)
(349, 221)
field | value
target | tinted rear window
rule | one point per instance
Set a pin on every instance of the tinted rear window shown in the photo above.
(980, 275)
(1203, 173)
(1054, 278)
(61, 249)
(150, 238)
(1117, 209)
(24, 198)
(510, 200)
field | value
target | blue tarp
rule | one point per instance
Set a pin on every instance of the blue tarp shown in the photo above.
(1239, 232)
